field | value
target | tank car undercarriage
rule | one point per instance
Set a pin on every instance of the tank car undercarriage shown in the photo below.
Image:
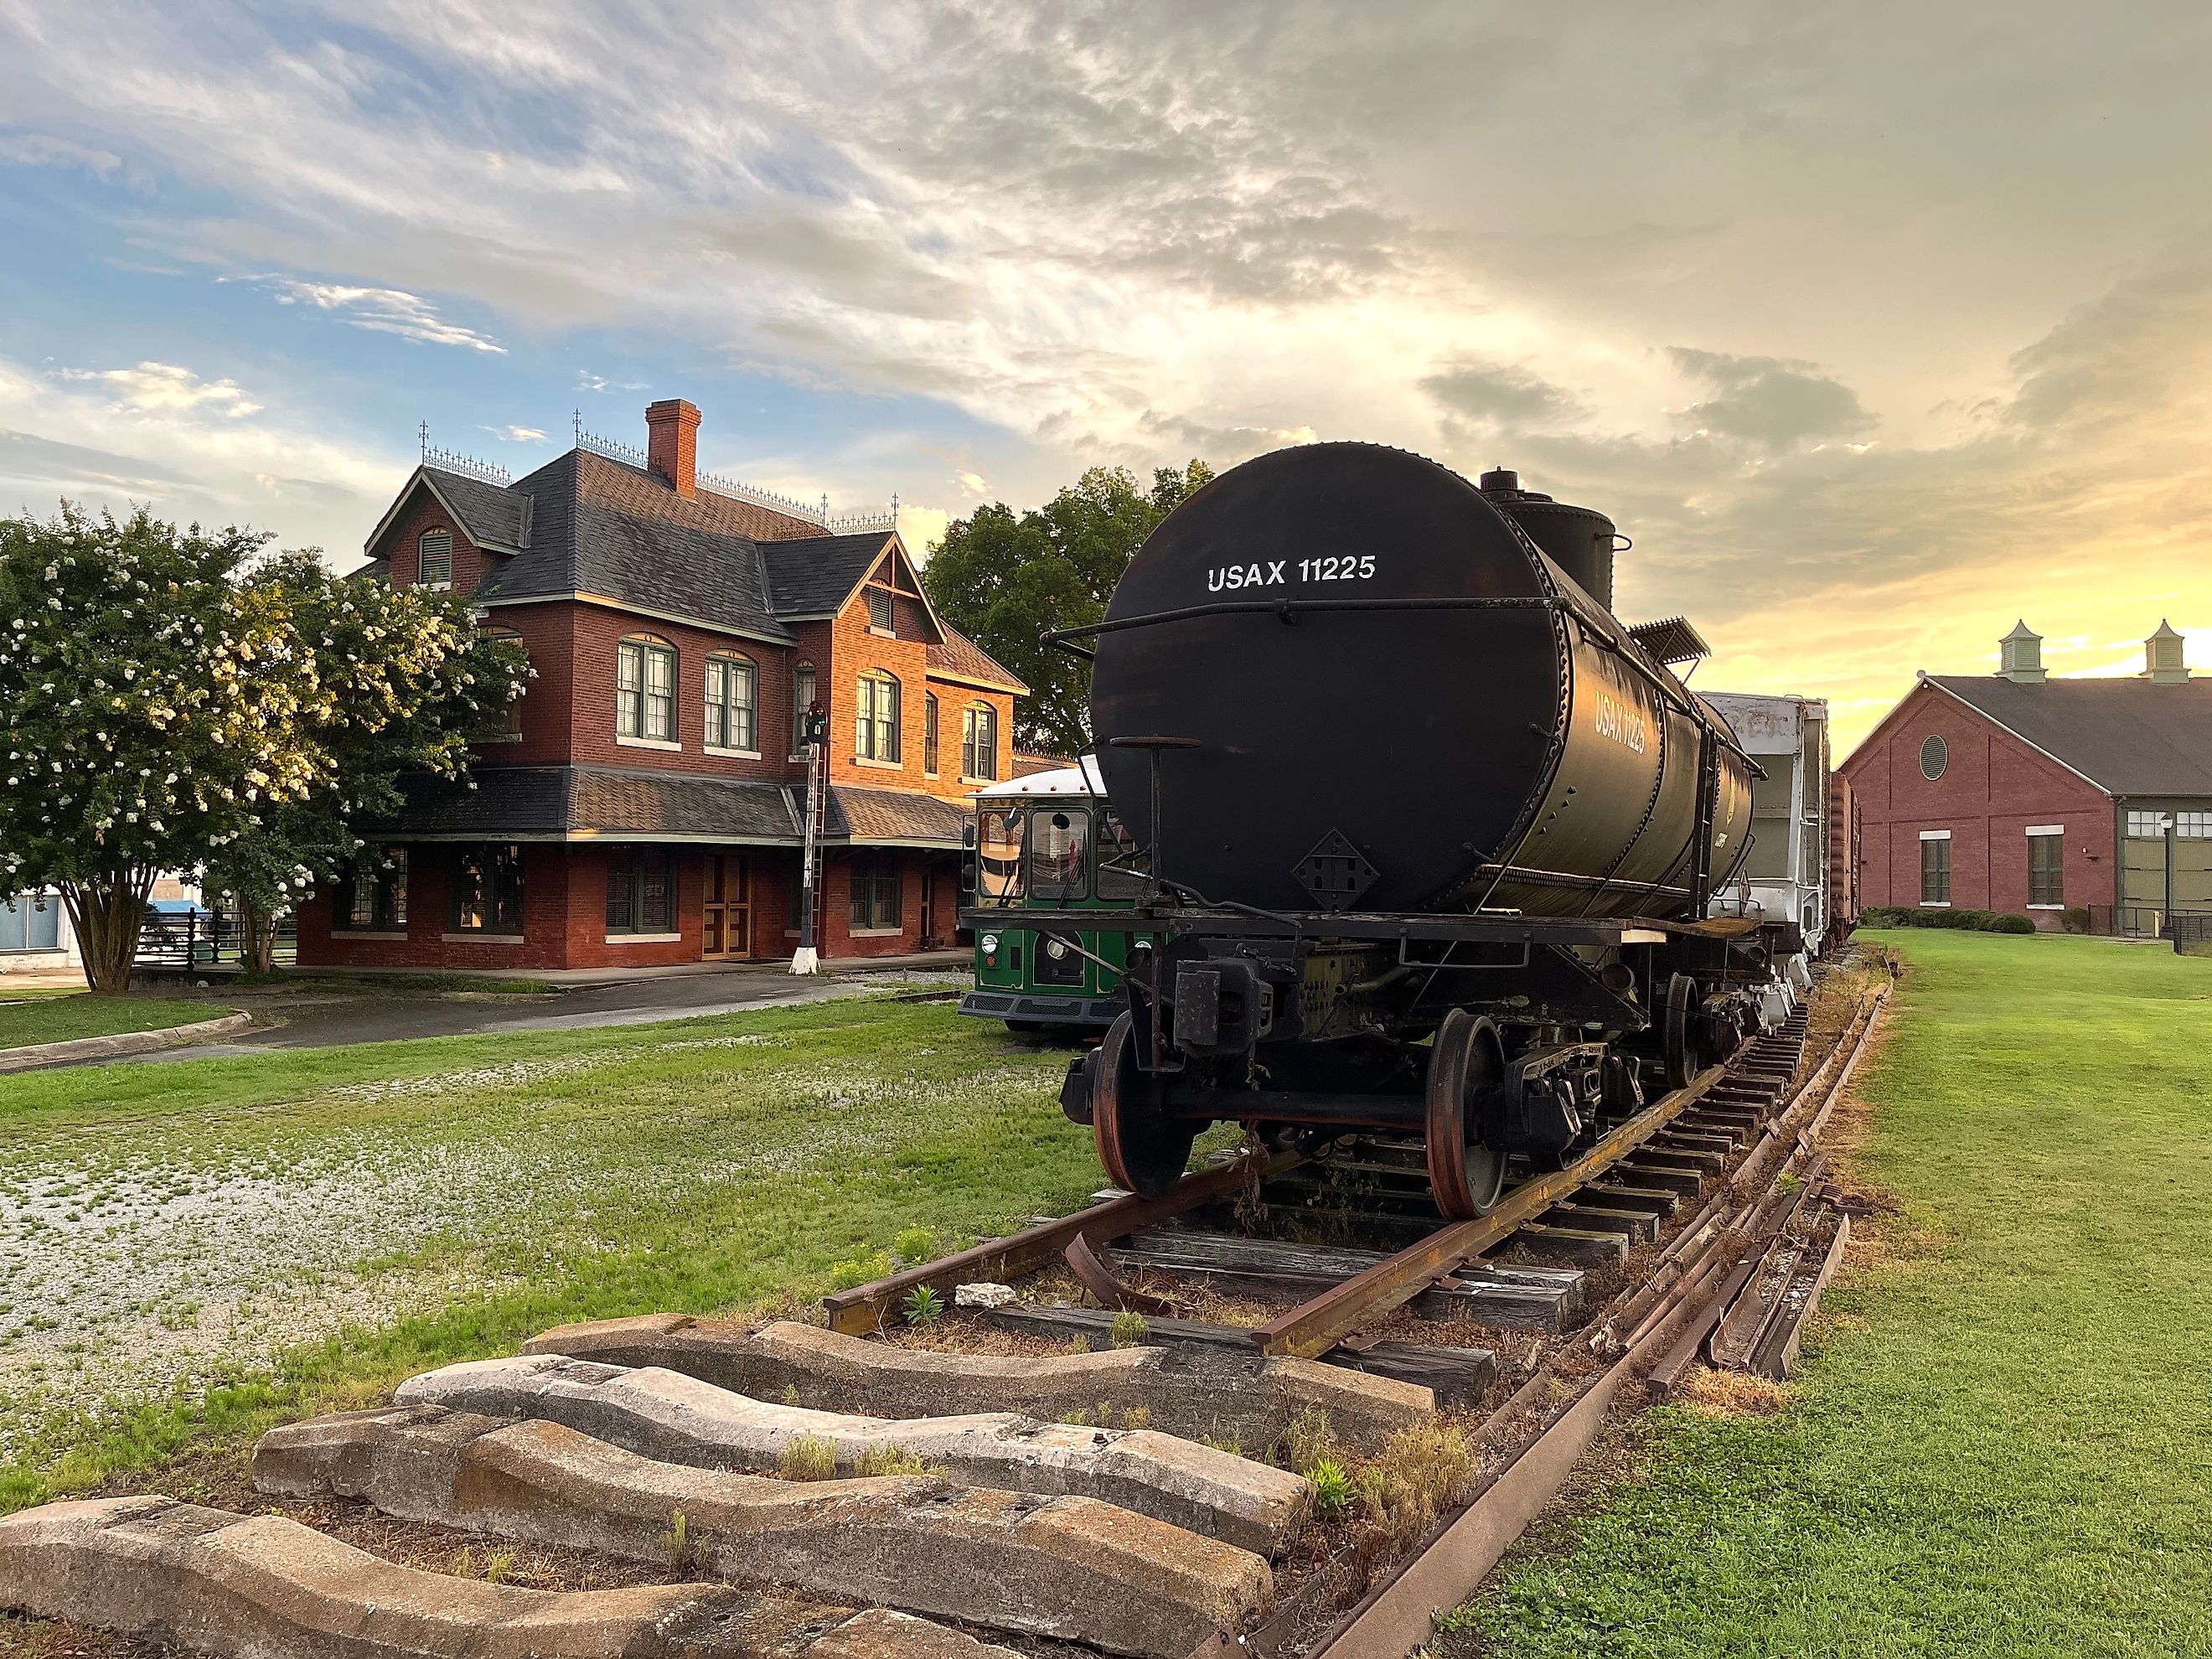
(1497, 1043)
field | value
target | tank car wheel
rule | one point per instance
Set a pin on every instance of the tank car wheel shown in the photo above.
(1679, 1036)
(1142, 1150)
(1467, 1062)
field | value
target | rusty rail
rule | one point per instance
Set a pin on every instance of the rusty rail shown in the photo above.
(1458, 1553)
(864, 1309)
(1314, 1328)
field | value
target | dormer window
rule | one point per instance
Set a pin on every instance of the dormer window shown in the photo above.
(879, 611)
(434, 559)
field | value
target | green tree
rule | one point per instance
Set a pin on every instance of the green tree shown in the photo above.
(1005, 580)
(166, 705)
(404, 682)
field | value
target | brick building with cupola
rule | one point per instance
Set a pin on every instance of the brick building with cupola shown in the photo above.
(2018, 792)
(648, 805)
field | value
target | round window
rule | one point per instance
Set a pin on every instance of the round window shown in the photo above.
(1934, 755)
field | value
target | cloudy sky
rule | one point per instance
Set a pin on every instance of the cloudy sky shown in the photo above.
(1877, 325)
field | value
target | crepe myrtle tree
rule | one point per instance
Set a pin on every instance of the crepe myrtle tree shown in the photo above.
(403, 682)
(163, 701)
(1005, 580)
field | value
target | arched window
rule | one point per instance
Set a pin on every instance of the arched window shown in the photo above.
(978, 742)
(645, 689)
(513, 715)
(733, 702)
(802, 699)
(929, 733)
(434, 559)
(876, 719)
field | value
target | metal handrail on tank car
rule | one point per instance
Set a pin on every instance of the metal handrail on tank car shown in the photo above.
(1669, 683)
(1469, 928)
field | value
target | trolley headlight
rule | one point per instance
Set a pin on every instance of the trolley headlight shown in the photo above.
(990, 944)
(1056, 949)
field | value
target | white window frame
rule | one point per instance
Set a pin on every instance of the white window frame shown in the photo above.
(971, 747)
(2049, 832)
(804, 675)
(445, 583)
(732, 668)
(875, 736)
(645, 670)
(1927, 904)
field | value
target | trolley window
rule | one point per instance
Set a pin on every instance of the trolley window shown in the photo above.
(1059, 854)
(998, 854)
(1122, 867)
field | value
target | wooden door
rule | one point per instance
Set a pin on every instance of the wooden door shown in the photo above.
(728, 929)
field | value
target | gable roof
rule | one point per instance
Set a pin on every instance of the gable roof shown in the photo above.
(957, 657)
(494, 515)
(815, 577)
(2129, 737)
(586, 523)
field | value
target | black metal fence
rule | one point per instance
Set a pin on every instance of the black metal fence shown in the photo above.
(2188, 927)
(2149, 922)
(205, 939)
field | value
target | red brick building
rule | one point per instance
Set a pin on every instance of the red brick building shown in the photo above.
(2016, 792)
(649, 806)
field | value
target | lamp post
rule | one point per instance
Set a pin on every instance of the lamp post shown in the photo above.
(815, 731)
(2169, 826)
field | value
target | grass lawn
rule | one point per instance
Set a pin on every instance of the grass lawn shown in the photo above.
(192, 1250)
(29, 1016)
(2003, 1442)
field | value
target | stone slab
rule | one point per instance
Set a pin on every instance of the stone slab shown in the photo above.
(1071, 1568)
(264, 1587)
(1238, 1399)
(674, 1419)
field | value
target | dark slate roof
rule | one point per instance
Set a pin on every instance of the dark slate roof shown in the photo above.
(585, 523)
(959, 657)
(2130, 736)
(540, 803)
(864, 816)
(601, 527)
(528, 801)
(616, 801)
(559, 803)
(814, 576)
(495, 516)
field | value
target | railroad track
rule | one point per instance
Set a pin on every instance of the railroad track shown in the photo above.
(857, 1499)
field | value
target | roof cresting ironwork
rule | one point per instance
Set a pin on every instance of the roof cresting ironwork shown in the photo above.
(447, 460)
(731, 488)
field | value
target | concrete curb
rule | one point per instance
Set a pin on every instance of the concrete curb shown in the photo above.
(249, 1587)
(1071, 1568)
(32, 1056)
(674, 1419)
(1245, 1400)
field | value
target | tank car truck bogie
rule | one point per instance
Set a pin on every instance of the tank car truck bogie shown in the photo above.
(1433, 837)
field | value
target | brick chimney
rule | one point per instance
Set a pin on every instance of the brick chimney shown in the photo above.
(672, 442)
(2163, 664)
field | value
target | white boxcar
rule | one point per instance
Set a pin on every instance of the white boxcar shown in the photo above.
(1786, 877)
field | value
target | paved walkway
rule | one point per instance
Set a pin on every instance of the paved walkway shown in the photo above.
(315, 1020)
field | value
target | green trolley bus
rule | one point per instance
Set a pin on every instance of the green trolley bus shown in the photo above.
(1050, 841)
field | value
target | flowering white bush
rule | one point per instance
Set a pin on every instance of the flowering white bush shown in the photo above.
(170, 705)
